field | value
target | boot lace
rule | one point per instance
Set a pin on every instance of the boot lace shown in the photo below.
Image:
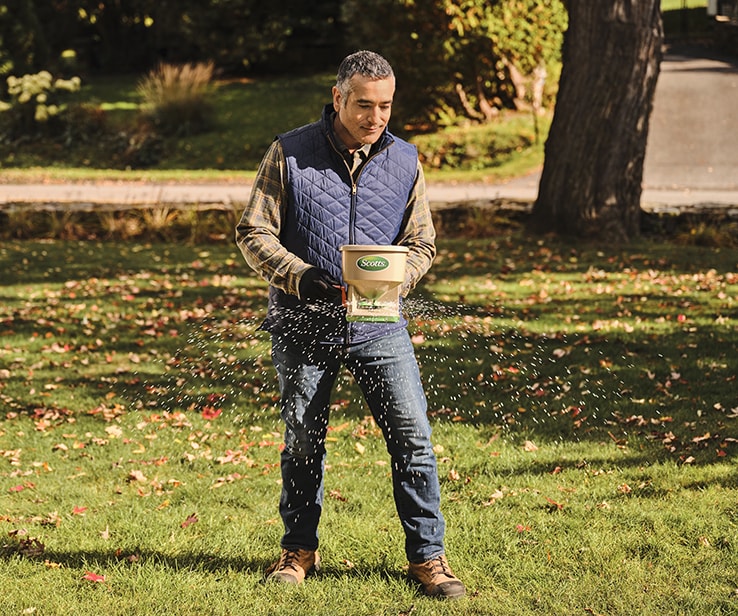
(439, 566)
(287, 561)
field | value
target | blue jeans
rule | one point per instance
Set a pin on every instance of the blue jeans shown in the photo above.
(387, 373)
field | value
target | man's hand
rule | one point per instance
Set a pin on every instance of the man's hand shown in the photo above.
(317, 284)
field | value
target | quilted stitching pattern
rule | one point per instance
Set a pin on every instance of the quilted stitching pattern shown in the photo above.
(320, 217)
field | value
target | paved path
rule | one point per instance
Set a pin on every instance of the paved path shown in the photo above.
(691, 158)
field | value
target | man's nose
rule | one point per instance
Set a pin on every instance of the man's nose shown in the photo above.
(377, 115)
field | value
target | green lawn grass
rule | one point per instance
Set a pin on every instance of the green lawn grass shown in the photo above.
(247, 115)
(584, 410)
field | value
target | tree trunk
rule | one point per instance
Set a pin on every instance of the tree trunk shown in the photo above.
(591, 180)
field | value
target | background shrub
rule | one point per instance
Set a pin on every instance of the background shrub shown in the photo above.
(468, 59)
(37, 103)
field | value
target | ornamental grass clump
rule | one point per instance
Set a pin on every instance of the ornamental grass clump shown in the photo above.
(175, 97)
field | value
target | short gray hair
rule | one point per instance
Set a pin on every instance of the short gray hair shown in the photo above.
(365, 63)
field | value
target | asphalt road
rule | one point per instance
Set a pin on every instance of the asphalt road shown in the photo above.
(691, 157)
(692, 149)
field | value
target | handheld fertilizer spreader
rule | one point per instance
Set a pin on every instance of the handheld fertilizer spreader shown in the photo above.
(374, 275)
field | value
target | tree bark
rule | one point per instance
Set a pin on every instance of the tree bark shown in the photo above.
(593, 167)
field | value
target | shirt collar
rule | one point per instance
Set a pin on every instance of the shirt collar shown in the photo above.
(364, 150)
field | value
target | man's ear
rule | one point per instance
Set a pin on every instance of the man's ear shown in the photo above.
(336, 98)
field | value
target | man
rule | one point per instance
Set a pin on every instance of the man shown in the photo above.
(345, 180)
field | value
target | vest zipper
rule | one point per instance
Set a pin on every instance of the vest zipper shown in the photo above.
(352, 217)
(352, 212)
(354, 190)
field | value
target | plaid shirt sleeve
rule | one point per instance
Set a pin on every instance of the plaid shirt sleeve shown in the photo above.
(418, 234)
(257, 233)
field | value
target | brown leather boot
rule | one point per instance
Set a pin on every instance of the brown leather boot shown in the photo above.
(293, 566)
(437, 579)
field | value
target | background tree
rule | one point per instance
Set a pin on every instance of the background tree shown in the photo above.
(457, 59)
(461, 59)
(116, 36)
(591, 180)
(23, 44)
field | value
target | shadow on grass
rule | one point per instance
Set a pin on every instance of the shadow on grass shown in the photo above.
(197, 562)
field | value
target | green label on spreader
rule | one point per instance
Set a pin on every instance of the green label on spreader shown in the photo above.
(372, 264)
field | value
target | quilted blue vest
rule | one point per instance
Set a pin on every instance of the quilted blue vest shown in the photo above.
(327, 210)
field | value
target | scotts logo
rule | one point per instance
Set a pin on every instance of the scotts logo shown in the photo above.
(372, 263)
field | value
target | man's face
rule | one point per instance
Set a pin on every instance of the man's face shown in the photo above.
(364, 114)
